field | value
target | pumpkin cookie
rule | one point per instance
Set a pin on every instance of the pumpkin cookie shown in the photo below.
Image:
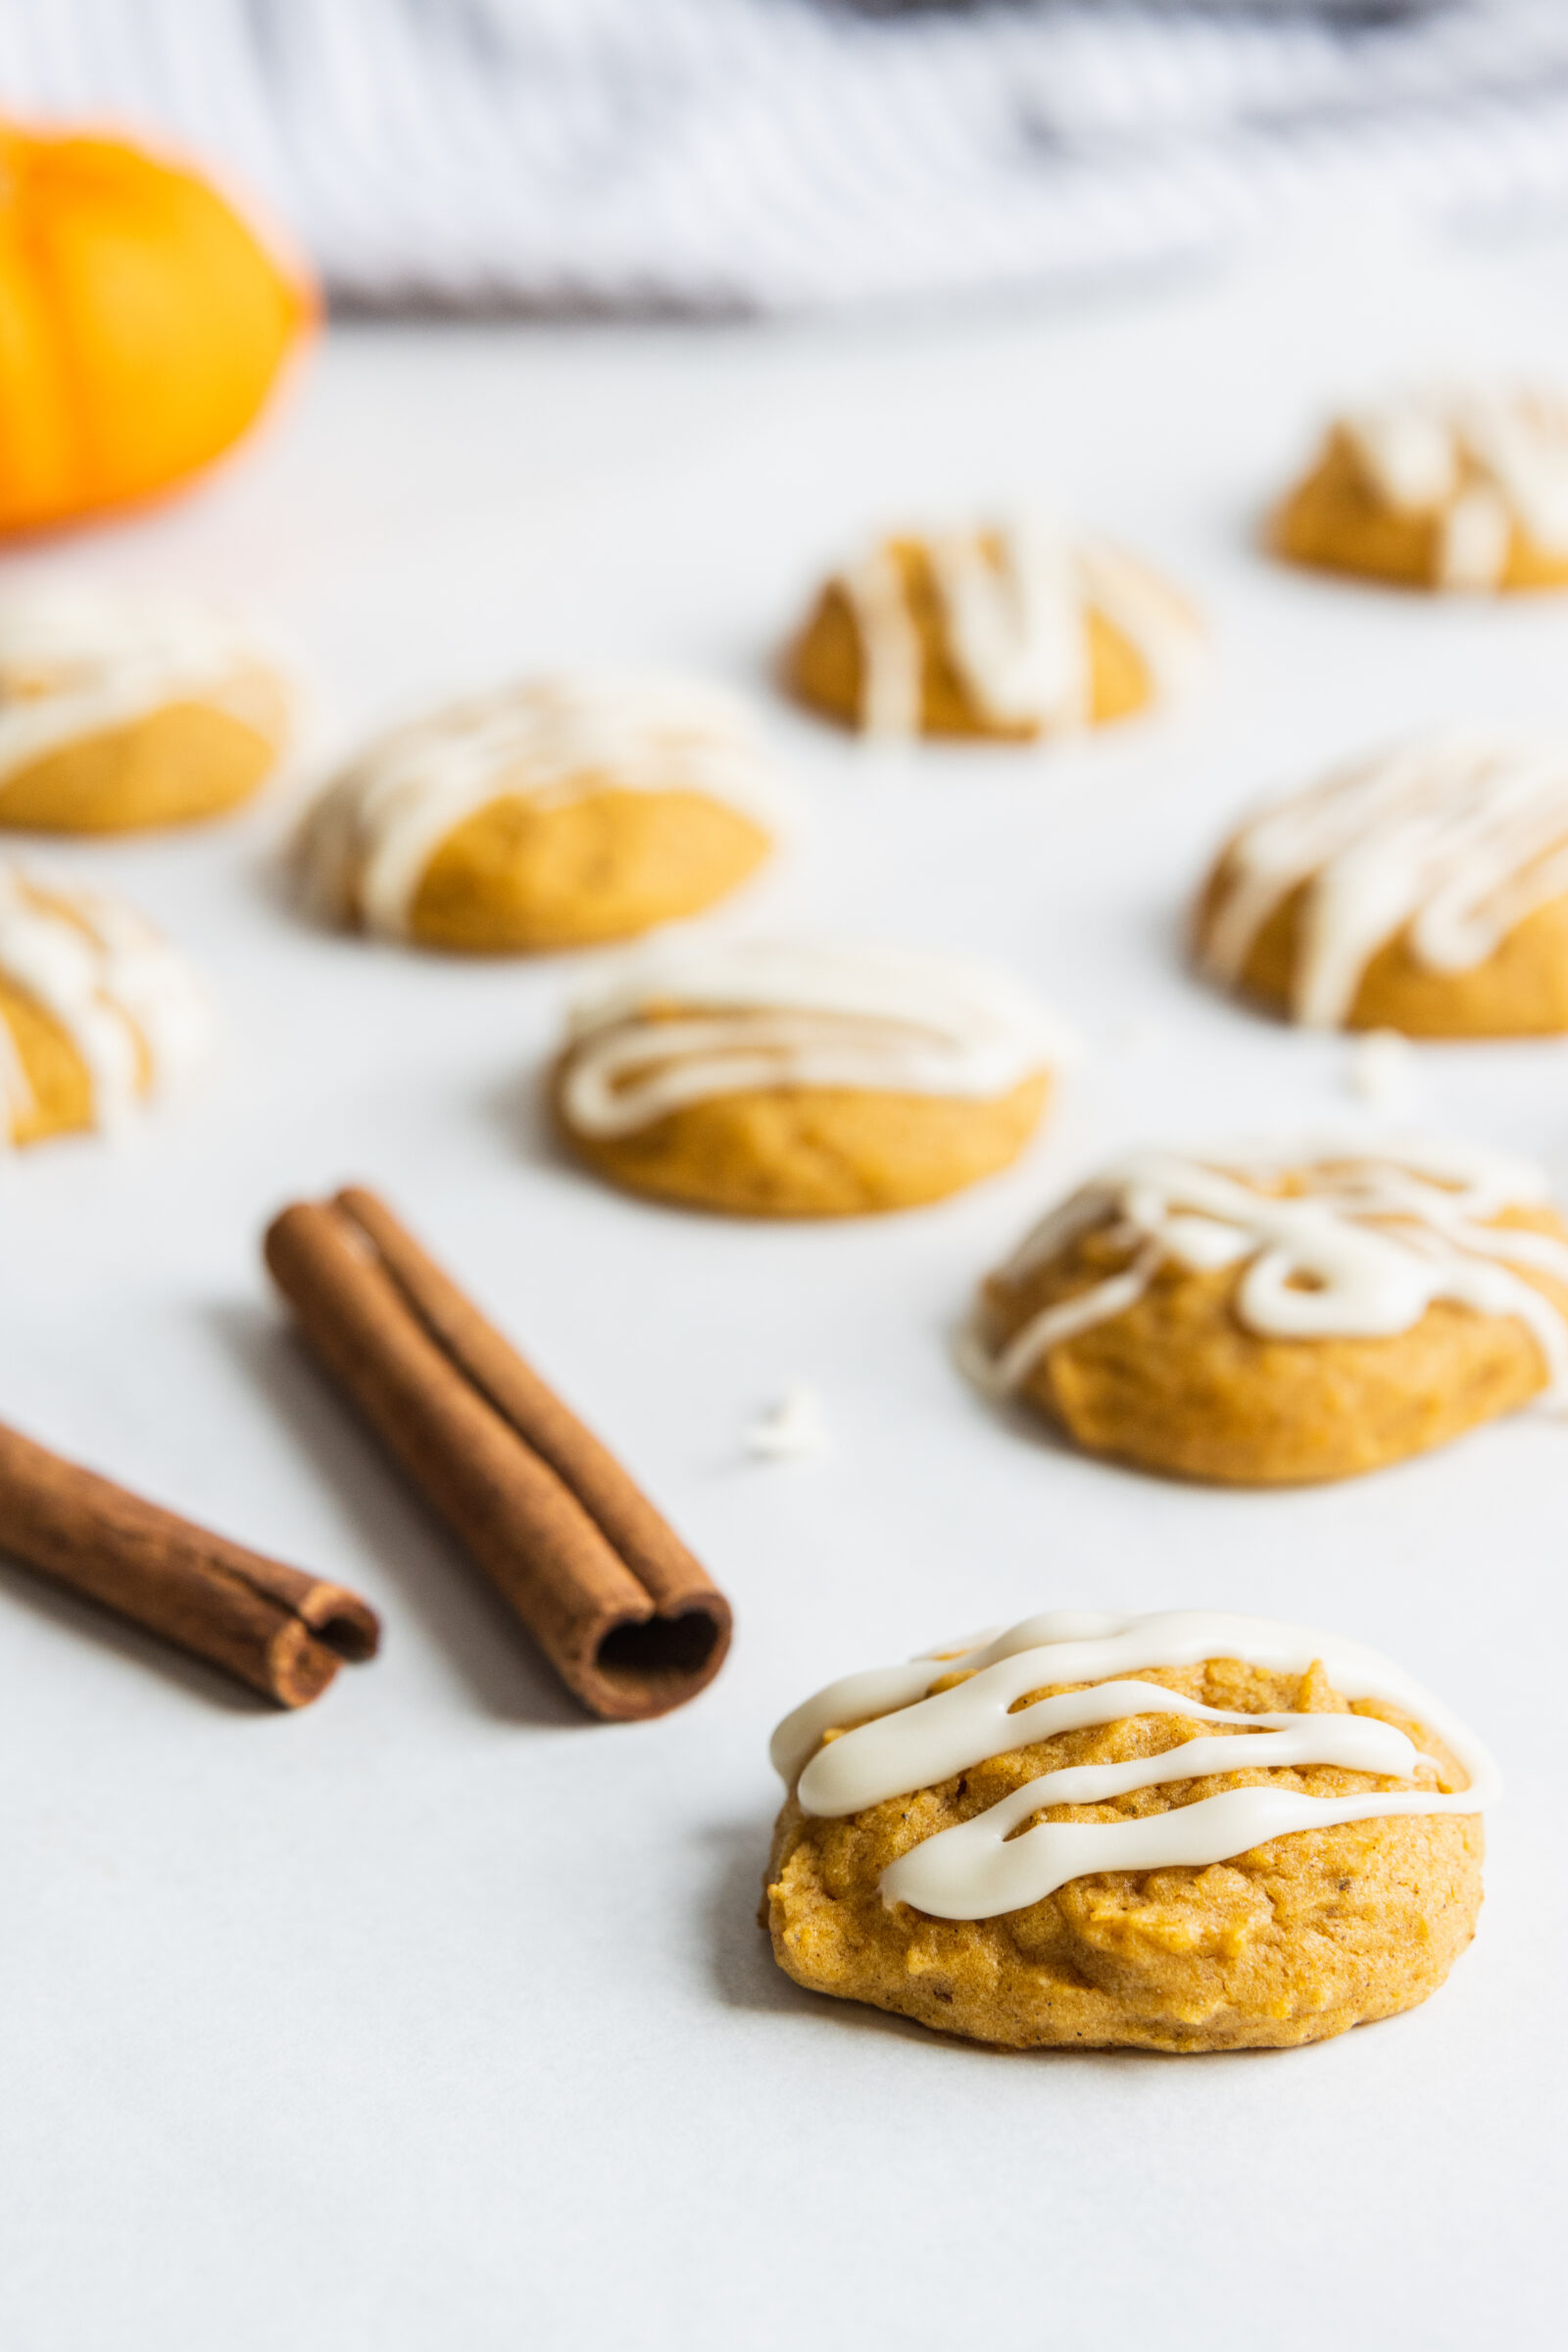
(98, 1014)
(1011, 632)
(1462, 490)
(1266, 1317)
(1184, 1832)
(805, 1080)
(1424, 890)
(117, 714)
(554, 814)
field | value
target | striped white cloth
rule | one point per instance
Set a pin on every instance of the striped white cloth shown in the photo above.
(781, 155)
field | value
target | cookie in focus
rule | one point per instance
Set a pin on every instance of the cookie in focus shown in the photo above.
(1182, 1832)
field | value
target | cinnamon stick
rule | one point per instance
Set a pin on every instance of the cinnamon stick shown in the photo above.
(629, 1620)
(282, 1632)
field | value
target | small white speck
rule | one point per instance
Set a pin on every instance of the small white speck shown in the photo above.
(1383, 1070)
(790, 1428)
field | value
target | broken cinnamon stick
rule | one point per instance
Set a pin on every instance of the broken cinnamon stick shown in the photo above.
(282, 1632)
(629, 1620)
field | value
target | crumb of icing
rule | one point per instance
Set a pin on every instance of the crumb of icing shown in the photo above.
(1383, 1070)
(790, 1428)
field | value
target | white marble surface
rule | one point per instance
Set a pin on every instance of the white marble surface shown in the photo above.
(438, 2017)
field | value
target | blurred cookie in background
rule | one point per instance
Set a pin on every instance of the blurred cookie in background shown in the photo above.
(99, 1014)
(1010, 631)
(1280, 1314)
(803, 1079)
(557, 814)
(1422, 888)
(1438, 489)
(119, 711)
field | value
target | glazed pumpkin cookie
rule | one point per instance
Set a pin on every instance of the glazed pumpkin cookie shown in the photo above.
(1184, 1832)
(1424, 890)
(804, 1080)
(1011, 632)
(118, 713)
(1265, 1317)
(98, 1014)
(1463, 490)
(552, 814)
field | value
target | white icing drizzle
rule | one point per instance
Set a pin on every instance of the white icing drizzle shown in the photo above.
(1015, 601)
(891, 660)
(1370, 1242)
(897, 1737)
(755, 1013)
(1450, 840)
(1482, 462)
(117, 988)
(75, 663)
(1016, 624)
(371, 837)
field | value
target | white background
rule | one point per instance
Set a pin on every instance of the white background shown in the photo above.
(439, 2017)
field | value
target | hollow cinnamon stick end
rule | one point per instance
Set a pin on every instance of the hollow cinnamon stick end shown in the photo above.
(296, 1667)
(343, 1621)
(642, 1667)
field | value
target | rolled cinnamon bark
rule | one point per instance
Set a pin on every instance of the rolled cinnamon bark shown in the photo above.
(282, 1632)
(631, 1621)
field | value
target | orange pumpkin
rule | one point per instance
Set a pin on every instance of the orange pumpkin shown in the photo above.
(142, 325)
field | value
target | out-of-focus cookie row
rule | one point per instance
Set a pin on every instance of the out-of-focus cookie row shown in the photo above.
(1424, 890)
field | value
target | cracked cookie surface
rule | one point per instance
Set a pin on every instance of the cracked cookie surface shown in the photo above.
(1292, 1942)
